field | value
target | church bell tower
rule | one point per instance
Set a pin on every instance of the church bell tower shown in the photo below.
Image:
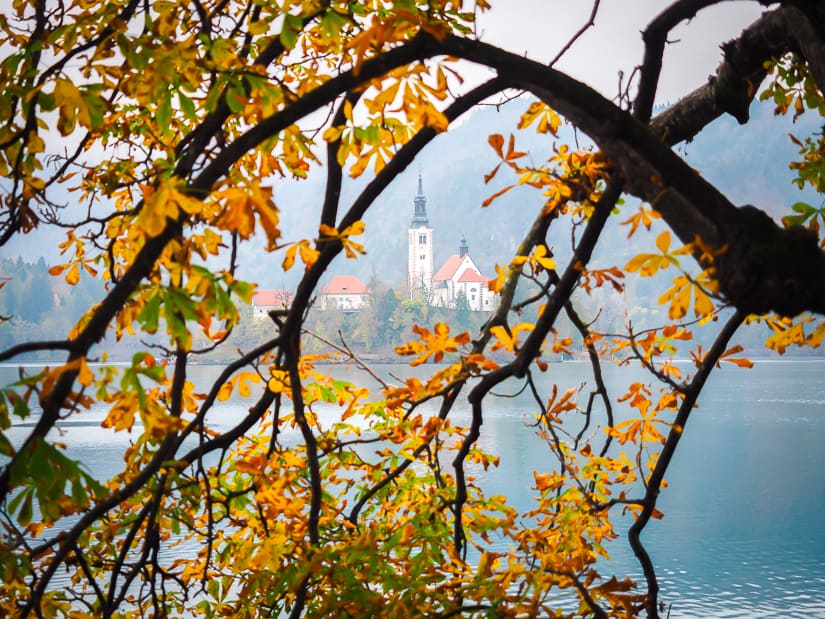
(420, 256)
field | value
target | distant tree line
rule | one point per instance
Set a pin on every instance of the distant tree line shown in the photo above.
(36, 306)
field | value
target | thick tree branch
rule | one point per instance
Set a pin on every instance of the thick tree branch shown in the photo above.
(795, 280)
(655, 38)
(737, 78)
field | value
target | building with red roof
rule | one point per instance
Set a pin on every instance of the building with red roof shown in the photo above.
(460, 277)
(345, 292)
(265, 301)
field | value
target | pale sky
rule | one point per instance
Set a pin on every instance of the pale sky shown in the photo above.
(540, 28)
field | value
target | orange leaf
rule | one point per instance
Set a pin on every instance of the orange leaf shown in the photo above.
(497, 142)
(500, 192)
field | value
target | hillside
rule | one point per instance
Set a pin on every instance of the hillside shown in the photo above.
(453, 169)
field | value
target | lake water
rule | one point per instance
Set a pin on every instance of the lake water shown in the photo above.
(744, 527)
(743, 532)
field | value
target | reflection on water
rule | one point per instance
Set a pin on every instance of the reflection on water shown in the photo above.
(742, 534)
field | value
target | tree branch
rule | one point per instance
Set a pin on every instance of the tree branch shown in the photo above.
(654, 483)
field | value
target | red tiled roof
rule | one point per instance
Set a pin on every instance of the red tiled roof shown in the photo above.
(278, 298)
(448, 270)
(471, 275)
(345, 284)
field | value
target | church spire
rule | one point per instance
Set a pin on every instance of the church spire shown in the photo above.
(420, 215)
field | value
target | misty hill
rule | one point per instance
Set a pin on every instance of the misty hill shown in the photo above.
(746, 162)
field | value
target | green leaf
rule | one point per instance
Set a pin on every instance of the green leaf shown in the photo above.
(289, 32)
(243, 289)
(794, 220)
(213, 588)
(154, 372)
(187, 106)
(95, 106)
(135, 56)
(21, 408)
(14, 503)
(235, 99)
(163, 114)
(24, 516)
(46, 101)
(5, 421)
(805, 210)
(11, 63)
(332, 23)
(803, 207)
(79, 496)
(5, 446)
(149, 315)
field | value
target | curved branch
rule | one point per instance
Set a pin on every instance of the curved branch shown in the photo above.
(654, 483)
(532, 345)
(591, 21)
(329, 211)
(19, 349)
(394, 167)
(419, 47)
(787, 264)
(655, 38)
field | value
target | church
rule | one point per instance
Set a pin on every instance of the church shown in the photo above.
(457, 283)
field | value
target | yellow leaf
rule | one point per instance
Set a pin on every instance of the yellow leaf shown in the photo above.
(303, 249)
(289, 258)
(433, 344)
(548, 120)
(245, 380)
(72, 107)
(663, 241)
(702, 304)
(279, 383)
(541, 257)
(122, 414)
(308, 254)
(643, 217)
(73, 276)
(225, 391)
(742, 362)
(332, 133)
(84, 376)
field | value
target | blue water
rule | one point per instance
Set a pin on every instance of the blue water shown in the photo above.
(743, 532)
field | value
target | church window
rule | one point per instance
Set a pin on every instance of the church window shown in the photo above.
(422, 238)
(422, 257)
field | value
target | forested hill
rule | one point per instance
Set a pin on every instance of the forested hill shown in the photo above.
(750, 170)
(453, 169)
(36, 306)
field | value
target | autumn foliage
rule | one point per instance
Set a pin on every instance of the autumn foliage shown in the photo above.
(168, 127)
